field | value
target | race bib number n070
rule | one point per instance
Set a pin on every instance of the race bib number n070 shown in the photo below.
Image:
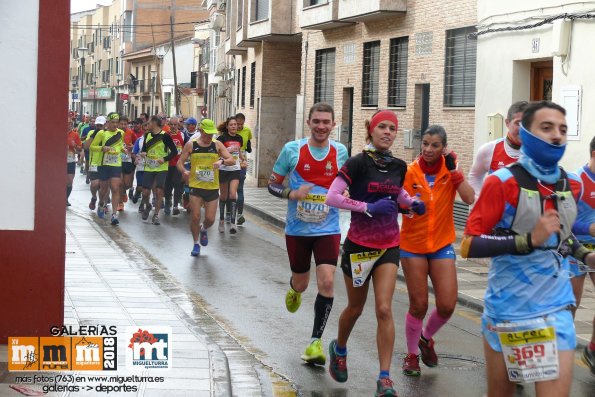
(312, 208)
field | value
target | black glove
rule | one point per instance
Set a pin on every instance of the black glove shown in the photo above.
(451, 161)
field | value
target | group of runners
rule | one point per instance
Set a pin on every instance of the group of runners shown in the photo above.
(177, 162)
(536, 222)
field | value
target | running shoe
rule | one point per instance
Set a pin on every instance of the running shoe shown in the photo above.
(121, 207)
(131, 194)
(92, 203)
(411, 365)
(115, 220)
(101, 211)
(221, 227)
(384, 388)
(175, 211)
(428, 354)
(147, 211)
(293, 300)
(241, 220)
(204, 238)
(68, 203)
(136, 197)
(155, 220)
(338, 365)
(196, 250)
(88, 180)
(233, 229)
(589, 359)
(314, 353)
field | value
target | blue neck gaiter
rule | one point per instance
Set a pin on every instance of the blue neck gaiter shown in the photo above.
(539, 157)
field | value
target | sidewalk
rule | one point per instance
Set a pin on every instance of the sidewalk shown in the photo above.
(104, 287)
(472, 275)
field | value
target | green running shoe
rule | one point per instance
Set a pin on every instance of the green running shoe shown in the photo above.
(293, 300)
(314, 353)
(338, 365)
(384, 388)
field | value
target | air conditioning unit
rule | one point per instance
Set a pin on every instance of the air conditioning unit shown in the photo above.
(221, 70)
(217, 22)
(221, 90)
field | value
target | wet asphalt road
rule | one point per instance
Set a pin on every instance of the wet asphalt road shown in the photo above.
(243, 280)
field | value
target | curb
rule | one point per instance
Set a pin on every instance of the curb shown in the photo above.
(220, 371)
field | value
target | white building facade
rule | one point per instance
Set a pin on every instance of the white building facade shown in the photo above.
(548, 55)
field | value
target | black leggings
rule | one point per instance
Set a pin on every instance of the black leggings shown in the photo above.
(173, 182)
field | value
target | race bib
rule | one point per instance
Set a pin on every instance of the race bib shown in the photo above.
(92, 168)
(126, 158)
(312, 208)
(204, 174)
(111, 158)
(152, 163)
(530, 350)
(71, 157)
(362, 264)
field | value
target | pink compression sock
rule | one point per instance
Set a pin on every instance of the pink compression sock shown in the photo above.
(434, 323)
(413, 328)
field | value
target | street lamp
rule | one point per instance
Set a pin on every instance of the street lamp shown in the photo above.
(153, 78)
(81, 54)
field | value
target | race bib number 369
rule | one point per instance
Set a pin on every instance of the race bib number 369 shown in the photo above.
(530, 352)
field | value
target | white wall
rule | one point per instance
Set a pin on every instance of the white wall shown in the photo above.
(184, 63)
(19, 21)
(504, 64)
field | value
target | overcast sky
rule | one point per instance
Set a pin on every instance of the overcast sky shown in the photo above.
(82, 5)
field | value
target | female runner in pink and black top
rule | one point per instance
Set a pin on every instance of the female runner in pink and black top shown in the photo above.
(371, 250)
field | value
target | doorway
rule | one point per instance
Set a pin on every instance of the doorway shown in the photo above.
(347, 118)
(421, 115)
(542, 78)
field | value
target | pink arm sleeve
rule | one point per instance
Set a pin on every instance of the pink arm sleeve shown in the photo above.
(404, 199)
(335, 197)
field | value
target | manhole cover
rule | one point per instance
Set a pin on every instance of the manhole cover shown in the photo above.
(456, 362)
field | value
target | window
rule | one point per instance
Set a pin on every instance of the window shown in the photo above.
(324, 76)
(240, 13)
(459, 67)
(238, 89)
(309, 3)
(370, 73)
(252, 83)
(262, 10)
(397, 73)
(244, 86)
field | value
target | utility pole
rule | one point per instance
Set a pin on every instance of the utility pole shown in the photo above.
(173, 55)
